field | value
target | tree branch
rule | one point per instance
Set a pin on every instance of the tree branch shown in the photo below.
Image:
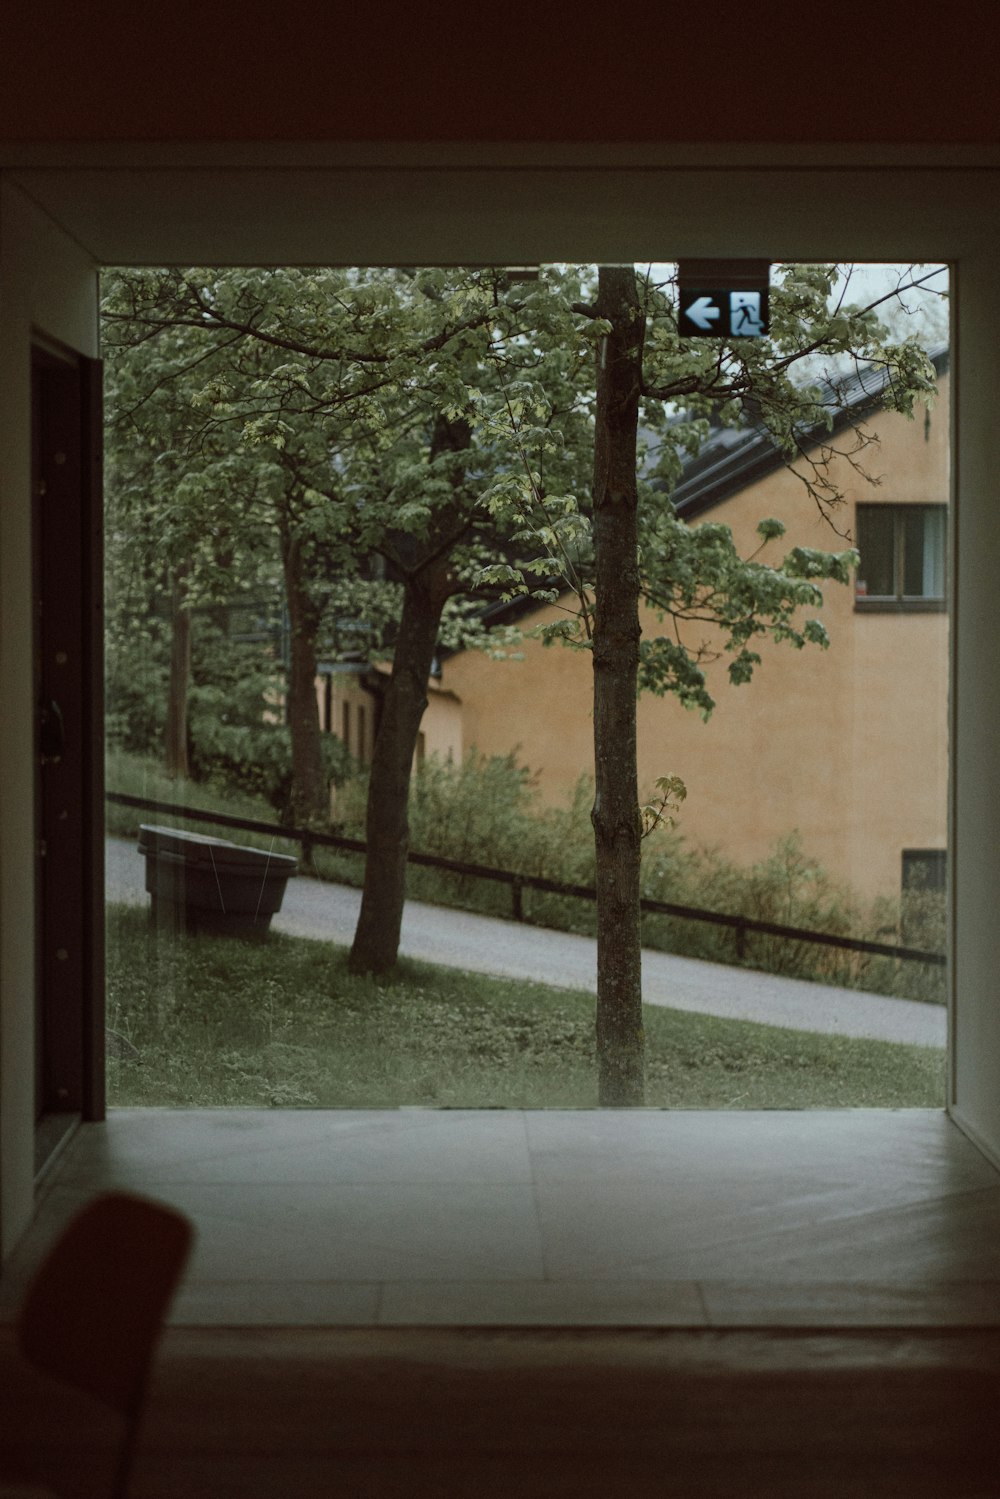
(292, 345)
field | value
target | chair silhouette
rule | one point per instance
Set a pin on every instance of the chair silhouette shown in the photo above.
(96, 1305)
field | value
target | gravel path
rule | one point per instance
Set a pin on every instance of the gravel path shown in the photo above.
(484, 944)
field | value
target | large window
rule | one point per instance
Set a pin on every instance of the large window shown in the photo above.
(902, 551)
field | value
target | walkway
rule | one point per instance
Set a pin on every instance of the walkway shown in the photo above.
(483, 944)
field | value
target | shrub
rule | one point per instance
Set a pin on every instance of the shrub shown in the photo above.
(487, 810)
(257, 759)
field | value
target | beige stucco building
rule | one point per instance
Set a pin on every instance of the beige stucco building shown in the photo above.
(847, 745)
(349, 700)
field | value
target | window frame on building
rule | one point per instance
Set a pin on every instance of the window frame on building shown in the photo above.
(924, 869)
(902, 517)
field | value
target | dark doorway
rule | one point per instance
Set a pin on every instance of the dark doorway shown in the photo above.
(67, 654)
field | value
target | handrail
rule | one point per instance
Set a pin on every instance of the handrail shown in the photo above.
(742, 925)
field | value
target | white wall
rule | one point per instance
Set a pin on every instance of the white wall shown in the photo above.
(47, 285)
(976, 711)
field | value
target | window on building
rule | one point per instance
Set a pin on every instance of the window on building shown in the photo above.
(902, 551)
(923, 918)
(924, 868)
(345, 724)
(326, 706)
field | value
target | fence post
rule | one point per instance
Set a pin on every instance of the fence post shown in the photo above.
(307, 850)
(741, 940)
(516, 888)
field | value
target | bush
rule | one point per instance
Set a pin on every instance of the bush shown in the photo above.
(788, 887)
(488, 810)
(257, 759)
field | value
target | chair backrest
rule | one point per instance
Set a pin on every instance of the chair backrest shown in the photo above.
(96, 1305)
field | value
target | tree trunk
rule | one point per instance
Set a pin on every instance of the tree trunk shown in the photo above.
(428, 586)
(175, 734)
(615, 814)
(376, 939)
(310, 794)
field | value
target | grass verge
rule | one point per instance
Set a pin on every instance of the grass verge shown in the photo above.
(281, 1023)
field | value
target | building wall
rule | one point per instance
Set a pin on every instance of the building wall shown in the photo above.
(349, 709)
(847, 745)
(442, 728)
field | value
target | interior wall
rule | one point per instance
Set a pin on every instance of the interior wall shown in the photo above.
(47, 286)
(975, 750)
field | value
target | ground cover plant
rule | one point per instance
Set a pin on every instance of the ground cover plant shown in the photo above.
(213, 1022)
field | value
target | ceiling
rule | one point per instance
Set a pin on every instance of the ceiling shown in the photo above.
(399, 205)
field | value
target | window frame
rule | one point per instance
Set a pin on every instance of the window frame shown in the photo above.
(901, 603)
(934, 861)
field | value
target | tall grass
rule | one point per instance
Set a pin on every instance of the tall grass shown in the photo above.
(138, 775)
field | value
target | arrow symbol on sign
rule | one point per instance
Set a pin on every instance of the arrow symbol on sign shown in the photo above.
(703, 313)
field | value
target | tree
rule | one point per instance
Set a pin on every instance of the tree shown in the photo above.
(343, 383)
(615, 649)
(175, 536)
(438, 419)
(628, 545)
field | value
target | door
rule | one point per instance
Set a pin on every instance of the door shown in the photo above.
(68, 645)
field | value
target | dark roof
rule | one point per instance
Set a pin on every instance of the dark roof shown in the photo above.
(733, 457)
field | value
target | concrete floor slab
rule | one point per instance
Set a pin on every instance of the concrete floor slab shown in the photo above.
(591, 1217)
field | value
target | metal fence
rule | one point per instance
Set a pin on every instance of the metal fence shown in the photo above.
(308, 839)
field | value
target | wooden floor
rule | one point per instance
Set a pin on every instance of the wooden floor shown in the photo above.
(566, 1414)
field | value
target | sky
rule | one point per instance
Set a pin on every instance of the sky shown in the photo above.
(926, 310)
(923, 312)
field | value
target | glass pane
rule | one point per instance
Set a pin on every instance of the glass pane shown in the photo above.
(818, 777)
(924, 551)
(876, 524)
(924, 868)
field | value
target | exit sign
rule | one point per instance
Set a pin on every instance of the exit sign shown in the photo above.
(723, 298)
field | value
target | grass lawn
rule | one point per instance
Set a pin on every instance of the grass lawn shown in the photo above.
(281, 1023)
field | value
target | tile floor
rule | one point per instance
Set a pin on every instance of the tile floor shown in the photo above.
(501, 1218)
